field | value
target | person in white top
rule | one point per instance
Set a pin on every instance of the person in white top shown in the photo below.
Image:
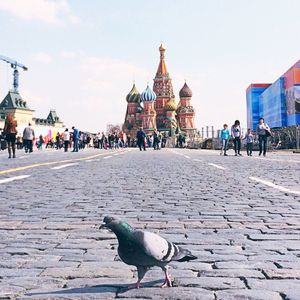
(263, 132)
(66, 137)
(236, 133)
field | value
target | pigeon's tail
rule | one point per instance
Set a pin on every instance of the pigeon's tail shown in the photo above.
(187, 258)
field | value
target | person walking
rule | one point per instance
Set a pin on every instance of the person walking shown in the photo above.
(249, 140)
(66, 137)
(41, 142)
(57, 141)
(224, 136)
(236, 133)
(263, 132)
(10, 132)
(28, 136)
(156, 140)
(141, 139)
(75, 139)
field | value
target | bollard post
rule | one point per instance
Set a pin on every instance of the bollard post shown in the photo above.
(297, 137)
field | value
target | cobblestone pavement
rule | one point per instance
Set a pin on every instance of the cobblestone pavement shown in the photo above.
(239, 215)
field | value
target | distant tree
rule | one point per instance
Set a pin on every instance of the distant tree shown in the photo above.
(111, 128)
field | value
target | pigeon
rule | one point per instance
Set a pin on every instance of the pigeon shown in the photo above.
(145, 249)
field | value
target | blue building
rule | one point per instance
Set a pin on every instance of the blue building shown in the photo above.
(278, 103)
(253, 107)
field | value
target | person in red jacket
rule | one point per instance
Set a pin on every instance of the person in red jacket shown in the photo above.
(10, 131)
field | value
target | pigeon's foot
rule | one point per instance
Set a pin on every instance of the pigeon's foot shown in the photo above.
(167, 282)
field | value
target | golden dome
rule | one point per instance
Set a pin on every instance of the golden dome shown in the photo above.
(171, 105)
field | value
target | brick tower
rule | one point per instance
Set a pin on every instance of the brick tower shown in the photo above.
(163, 89)
(148, 114)
(133, 113)
(185, 111)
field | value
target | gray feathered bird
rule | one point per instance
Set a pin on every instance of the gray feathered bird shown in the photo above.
(145, 249)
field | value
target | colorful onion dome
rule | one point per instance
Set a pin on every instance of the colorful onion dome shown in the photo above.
(133, 96)
(148, 95)
(185, 91)
(171, 105)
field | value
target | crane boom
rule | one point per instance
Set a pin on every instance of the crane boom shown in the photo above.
(14, 64)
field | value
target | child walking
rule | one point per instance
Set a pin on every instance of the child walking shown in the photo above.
(224, 136)
(249, 139)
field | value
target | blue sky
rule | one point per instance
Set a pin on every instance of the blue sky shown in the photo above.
(84, 55)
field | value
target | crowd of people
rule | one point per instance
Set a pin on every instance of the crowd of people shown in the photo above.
(263, 131)
(75, 140)
(26, 140)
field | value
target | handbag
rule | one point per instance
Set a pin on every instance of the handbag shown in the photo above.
(268, 133)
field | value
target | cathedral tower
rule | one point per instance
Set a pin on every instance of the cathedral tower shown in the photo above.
(163, 89)
(132, 117)
(149, 114)
(185, 111)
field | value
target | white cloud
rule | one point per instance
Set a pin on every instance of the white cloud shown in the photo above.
(70, 54)
(47, 11)
(42, 57)
(106, 73)
(33, 100)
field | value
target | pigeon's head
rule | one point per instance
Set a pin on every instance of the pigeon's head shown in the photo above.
(109, 222)
(115, 225)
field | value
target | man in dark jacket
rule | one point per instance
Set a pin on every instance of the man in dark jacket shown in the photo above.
(75, 139)
(141, 139)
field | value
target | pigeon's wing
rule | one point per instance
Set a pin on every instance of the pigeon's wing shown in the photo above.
(160, 249)
(155, 246)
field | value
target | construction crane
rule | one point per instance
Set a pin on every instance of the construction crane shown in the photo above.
(14, 64)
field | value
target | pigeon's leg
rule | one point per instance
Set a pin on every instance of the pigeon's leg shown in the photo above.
(167, 282)
(141, 273)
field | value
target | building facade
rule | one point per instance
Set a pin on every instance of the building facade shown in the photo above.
(278, 103)
(158, 108)
(15, 105)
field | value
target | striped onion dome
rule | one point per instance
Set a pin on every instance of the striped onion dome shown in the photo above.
(133, 96)
(171, 105)
(148, 95)
(185, 92)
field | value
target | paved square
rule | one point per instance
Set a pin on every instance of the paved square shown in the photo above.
(239, 215)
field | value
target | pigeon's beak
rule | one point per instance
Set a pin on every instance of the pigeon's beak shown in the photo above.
(103, 226)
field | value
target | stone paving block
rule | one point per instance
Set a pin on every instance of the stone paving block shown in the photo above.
(191, 265)
(232, 273)
(277, 285)
(10, 292)
(273, 237)
(35, 282)
(167, 293)
(247, 295)
(6, 272)
(212, 283)
(282, 273)
(256, 265)
(90, 271)
(74, 293)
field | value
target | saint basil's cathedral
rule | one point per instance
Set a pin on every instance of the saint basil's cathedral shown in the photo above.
(157, 108)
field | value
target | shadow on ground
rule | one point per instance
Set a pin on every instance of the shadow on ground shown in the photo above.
(100, 289)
